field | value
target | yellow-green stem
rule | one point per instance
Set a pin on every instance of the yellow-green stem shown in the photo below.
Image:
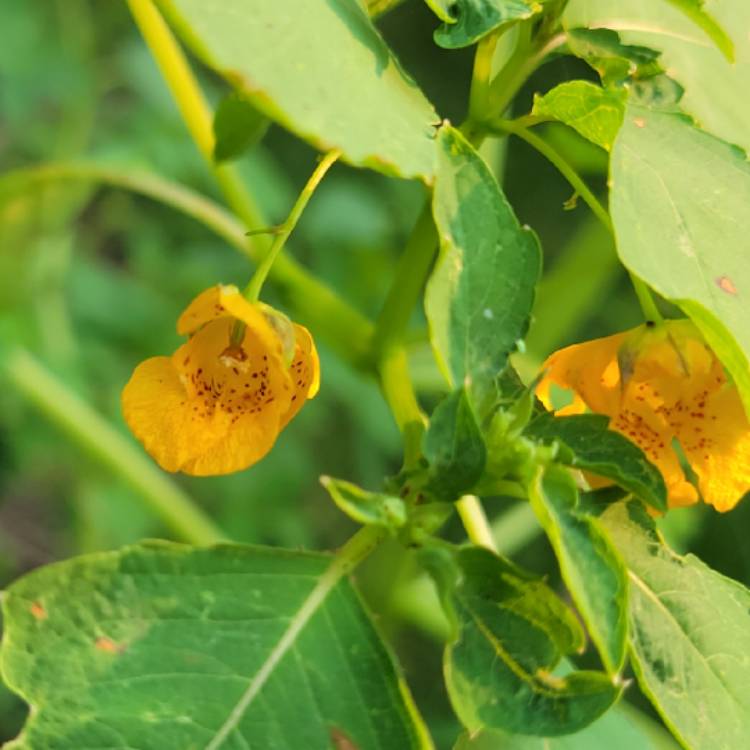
(645, 300)
(252, 291)
(350, 330)
(409, 278)
(387, 343)
(519, 66)
(559, 162)
(475, 522)
(194, 108)
(110, 448)
(356, 549)
(479, 94)
(176, 71)
(526, 58)
(514, 127)
(345, 329)
(399, 394)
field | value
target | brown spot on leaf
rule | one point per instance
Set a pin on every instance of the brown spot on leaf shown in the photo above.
(107, 645)
(38, 611)
(342, 741)
(639, 122)
(726, 285)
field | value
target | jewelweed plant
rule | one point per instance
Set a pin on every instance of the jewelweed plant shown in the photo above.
(505, 583)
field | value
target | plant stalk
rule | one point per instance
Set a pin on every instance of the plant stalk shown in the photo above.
(643, 293)
(325, 309)
(252, 291)
(409, 279)
(110, 448)
(475, 522)
(479, 94)
(398, 391)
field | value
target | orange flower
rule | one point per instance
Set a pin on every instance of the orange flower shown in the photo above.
(215, 406)
(659, 384)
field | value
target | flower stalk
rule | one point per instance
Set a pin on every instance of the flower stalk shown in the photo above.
(281, 233)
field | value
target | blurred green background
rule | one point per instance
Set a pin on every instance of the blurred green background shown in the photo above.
(92, 279)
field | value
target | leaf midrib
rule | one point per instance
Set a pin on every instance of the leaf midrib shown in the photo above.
(651, 594)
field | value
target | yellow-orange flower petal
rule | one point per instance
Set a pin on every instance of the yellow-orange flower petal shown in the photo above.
(716, 441)
(659, 385)
(220, 301)
(215, 406)
(153, 405)
(305, 371)
(589, 370)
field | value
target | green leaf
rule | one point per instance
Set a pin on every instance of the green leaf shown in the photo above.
(467, 21)
(690, 636)
(368, 508)
(453, 447)
(657, 92)
(510, 631)
(634, 69)
(321, 70)
(621, 728)
(693, 9)
(424, 520)
(715, 89)
(442, 9)
(613, 60)
(591, 568)
(237, 126)
(590, 445)
(509, 385)
(156, 645)
(479, 297)
(594, 112)
(686, 193)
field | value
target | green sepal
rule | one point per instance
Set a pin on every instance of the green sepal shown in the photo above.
(365, 507)
(454, 448)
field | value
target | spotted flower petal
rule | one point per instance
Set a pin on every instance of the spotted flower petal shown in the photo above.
(660, 386)
(589, 370)
(305, 372)
(216, 405)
